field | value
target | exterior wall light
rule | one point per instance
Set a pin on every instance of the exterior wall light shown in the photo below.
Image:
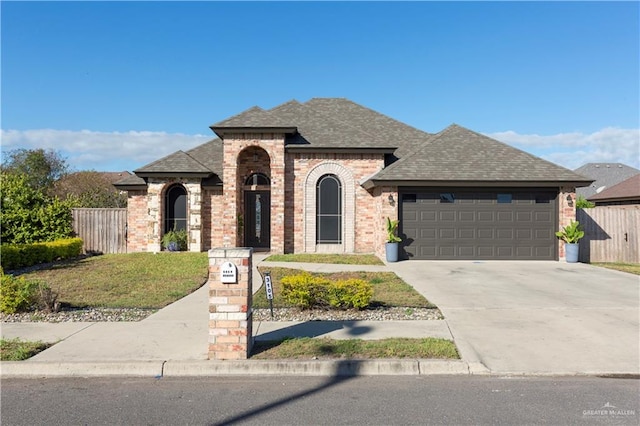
(569, 200)
(392, 202)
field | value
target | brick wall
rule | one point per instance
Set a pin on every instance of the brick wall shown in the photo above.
(212, 208)
(136, 221)
(237, 165)
(360, 207)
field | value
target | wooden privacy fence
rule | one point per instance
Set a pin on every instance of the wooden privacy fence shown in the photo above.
(102, 230)
(610, 234)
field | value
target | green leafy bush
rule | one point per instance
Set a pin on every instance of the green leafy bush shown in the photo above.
(583, 203)
(351, 293)
(23, 255)
(179, 237)
(29, 215)
(307, 291)
(18, 294)
(304, 290)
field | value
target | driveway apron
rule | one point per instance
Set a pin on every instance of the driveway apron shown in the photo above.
(535, 317)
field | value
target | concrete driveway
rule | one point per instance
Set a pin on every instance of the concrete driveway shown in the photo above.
(535, 317)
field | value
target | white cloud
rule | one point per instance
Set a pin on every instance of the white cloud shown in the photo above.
(103, 151)
(116, 151)
(572, 150)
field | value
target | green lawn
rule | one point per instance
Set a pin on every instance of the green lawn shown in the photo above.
(338, 259)
(632, 268)
(18, 350)
(134, 280)
(388, 288)
(326, 348)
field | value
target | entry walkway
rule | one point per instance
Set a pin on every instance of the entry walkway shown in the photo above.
(180, 330)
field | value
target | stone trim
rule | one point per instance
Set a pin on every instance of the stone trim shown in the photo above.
(348, 213)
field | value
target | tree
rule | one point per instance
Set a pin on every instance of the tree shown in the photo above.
(41, 167)
(89, 189)
(28, 214)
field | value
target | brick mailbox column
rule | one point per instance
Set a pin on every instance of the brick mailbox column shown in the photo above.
(230, 297)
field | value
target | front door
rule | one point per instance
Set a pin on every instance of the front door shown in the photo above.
(257, 224)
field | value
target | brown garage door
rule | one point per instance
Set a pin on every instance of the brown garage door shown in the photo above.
(451, 224)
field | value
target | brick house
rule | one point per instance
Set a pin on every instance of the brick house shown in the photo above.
(322, 177)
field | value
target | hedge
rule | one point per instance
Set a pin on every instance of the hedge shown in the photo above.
(307, 291)
(15, 256)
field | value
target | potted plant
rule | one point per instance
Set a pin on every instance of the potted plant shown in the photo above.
(571, 235)
(175, 240)
(393, 241)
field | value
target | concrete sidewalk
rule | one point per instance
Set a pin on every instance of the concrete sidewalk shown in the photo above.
(506, 318)
(174, 341)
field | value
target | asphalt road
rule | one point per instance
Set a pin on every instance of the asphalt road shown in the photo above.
(379, 400)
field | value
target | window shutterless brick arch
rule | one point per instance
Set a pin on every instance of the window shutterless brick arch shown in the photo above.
(348, 213)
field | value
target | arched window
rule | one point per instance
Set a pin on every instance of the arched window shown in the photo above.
(175, 209)
(257, 179)
(329, 210)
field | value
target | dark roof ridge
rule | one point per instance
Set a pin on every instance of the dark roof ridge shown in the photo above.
(334, 119)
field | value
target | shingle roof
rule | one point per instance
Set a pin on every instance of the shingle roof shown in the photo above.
(209, 154)
(385, 131)
(330, 123)
(459, 154)
(628, 189)
(130, 182)
(178, 162)
(454, 154)
(604, 175)
(253, 117)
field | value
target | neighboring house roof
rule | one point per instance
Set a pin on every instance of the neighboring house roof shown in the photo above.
(605, 175)
(455, 154)
(627, 190)
(459, 155)
(116, 176)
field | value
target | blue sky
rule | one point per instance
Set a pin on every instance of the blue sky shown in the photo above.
(116, 85)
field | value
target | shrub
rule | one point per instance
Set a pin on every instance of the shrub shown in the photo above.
(307, 291)
(304, 290)
(28, 215)
(18, 294)
(351, 293)
(179, 237)
(583, 203)
(23, 255)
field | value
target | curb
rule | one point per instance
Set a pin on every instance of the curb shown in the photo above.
(315, 368)
(23, 369)
(206, 368)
